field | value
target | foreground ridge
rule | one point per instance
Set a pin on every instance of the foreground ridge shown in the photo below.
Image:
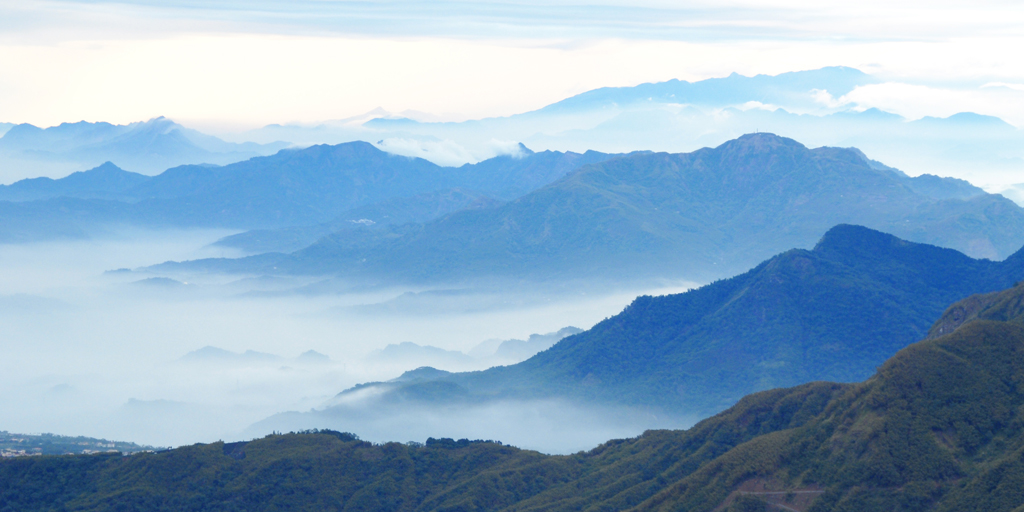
(939, 427)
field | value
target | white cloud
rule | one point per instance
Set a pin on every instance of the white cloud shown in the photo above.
(1016, 87)
(915, 101)
(448, 152)
(445, 152)
(504, 147)
(825, 98)
(757, 105)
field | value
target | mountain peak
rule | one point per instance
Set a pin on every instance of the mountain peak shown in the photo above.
(853, 238)
(106, 167)
(858, 246)
(761, 142)
(105, 176)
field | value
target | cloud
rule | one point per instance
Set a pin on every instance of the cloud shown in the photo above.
(757, 105)
(529, 19)
(550, 426)
(914, 101)
(88, 353)
(1016, 87)
(504, 147)
(825, 98)
(448, 152)
(442, 152)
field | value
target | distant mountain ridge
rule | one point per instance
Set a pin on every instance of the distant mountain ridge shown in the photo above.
(699, 216)
(149, 147)
(292, 188)
(787, 89)
(813, 106)
(219, 356)
(107, 181)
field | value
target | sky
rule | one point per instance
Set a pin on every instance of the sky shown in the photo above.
(231, 65)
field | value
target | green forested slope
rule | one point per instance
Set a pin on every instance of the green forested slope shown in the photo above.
(940, 427)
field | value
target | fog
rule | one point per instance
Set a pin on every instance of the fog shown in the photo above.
(127, 355)
(549, 426)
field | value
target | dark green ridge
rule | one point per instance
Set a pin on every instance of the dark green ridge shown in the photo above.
(939, 427)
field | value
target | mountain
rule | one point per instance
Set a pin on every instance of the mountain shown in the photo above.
(299, 188)
(107, 181)
(698, 216)
(439, 361)
(217, 356)
(789, 89)
(289, 188)
(936, 428)
(835, 313)
(524, 349)
(148, 147)
(477, 186)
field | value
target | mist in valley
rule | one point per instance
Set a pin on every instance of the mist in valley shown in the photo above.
(97, 346)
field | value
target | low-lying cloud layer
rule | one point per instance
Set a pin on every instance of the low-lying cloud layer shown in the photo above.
(182, 359)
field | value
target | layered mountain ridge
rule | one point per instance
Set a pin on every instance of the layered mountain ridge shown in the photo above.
(699, 216)
(292, 188)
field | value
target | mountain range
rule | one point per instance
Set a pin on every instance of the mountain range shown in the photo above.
(699, 216)
(833, 313)
(292, 188)
(936, 428)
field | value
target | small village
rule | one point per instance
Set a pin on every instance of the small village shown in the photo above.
(29, 445)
